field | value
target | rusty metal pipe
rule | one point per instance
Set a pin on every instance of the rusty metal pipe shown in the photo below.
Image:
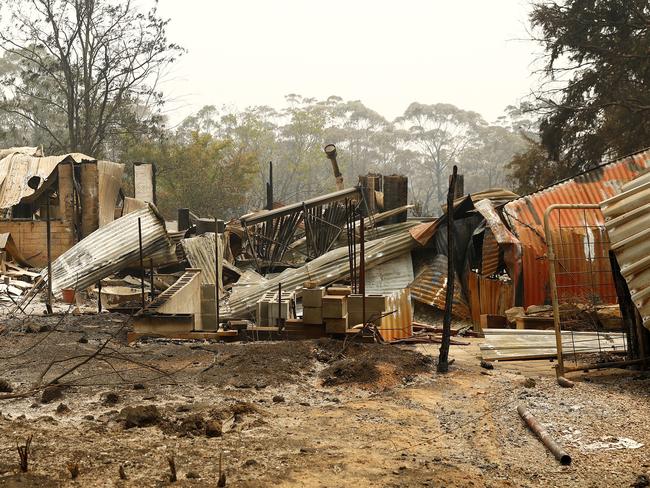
(544, 436)
(565, 383)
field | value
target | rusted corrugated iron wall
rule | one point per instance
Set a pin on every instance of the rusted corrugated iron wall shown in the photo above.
(398, 325)
(488, 296)
(583, 272)
(430, 287)
(525, 217)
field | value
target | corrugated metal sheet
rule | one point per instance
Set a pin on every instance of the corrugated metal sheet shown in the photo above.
(110, 181)
(300, 246)
(488, 296)
(627, 219)
(423, 233)
(391, 276)
(525, 217)
(505, 344)
(132, 204)
(16, 170)
(582, 267)
(200, 251)
(29, 151)
(110, 249)
(430, 287)
(323, 270)
(508, 243)
(489, 254)
(398, 325)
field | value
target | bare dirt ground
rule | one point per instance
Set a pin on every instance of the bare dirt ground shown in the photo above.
(307, 413)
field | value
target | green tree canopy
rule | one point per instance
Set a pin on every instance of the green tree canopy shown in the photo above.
(595, 101)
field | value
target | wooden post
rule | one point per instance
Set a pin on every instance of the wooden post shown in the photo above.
(395, 196)
(183, 218)
(459, 191)
(443, 360)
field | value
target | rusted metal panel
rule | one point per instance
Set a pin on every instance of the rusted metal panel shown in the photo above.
(496, 296)
(430, 287)
(474, 296)
(507, 241)
(111, 248)
(627, 220)
(582, 267)
(525, 217)
(423, 233)
(489, 254)
(488, 296)
(398, 325)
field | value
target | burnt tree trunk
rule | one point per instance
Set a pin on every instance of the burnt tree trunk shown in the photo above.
(443, 360)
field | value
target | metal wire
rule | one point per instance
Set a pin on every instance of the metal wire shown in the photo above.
(584, 281)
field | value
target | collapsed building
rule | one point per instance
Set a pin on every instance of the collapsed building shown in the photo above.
(81, 193)
(331, 264)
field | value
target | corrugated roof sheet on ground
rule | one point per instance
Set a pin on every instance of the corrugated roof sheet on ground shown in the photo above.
(110, 249)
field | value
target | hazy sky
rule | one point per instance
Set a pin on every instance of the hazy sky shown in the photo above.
(385, 53)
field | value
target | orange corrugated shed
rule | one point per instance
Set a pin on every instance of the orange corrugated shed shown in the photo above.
(526, 216)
